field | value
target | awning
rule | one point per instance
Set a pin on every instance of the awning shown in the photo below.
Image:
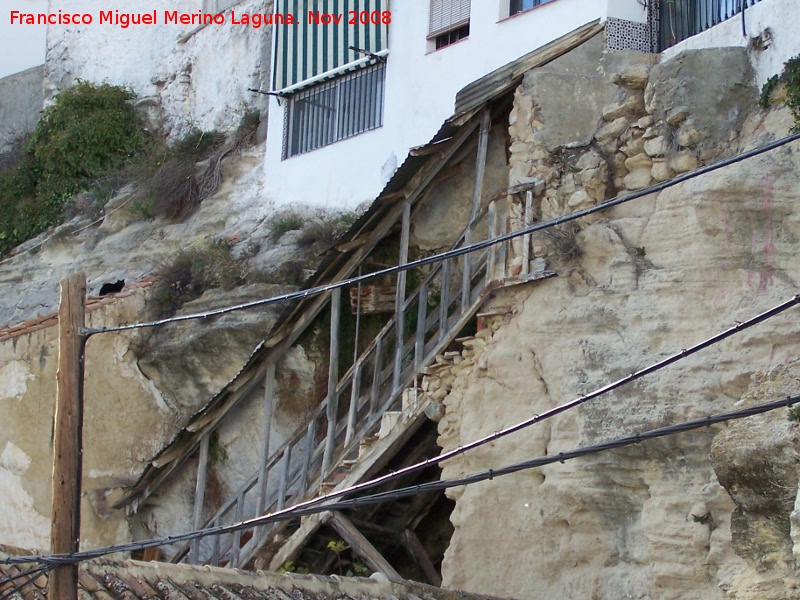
(310, 51)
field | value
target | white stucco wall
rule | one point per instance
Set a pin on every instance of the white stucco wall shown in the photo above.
(780, 16)
(200, 82)
(420, 93)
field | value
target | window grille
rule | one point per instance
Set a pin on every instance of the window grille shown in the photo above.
(447, 15)
(681, 19)
(335, 110)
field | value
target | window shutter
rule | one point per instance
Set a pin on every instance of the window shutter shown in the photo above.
(447, 15)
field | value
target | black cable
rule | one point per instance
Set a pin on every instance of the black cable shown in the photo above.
(30, 575)
(299, 295)
(418, 488)
(741, 326)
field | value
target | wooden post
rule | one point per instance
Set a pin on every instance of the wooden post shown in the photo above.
(420, 557)
(67, 436)
(477, 192)
(199, 496)
(363, 547)
(526, 238)
(400, 298)
(422, 316)
(333, 379)
(266, 428)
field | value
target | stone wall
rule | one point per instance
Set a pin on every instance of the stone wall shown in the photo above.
(20, 103)
(635, 284)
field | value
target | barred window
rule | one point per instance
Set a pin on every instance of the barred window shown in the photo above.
(334, 110)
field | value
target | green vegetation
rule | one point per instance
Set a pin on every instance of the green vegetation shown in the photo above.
(90, 139)
(790, 77)
(284, 222)
(87, 132)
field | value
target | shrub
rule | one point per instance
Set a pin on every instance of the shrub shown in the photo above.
(790, 77)
(285, 221)
(88, 131)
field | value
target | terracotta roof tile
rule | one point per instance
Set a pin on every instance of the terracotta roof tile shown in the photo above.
(108, 579)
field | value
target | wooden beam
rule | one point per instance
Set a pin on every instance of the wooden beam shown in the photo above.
(477, 193)
(363, 547)
(420, 557)
(400, 297)
(199, 496)
(333, 379)
(68, 436)
(266, 431)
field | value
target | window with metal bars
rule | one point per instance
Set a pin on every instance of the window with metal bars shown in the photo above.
(446, 16)
(334, 110)
(681, 19)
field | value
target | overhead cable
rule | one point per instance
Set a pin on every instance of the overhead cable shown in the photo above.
(301, 294)
(489, 474)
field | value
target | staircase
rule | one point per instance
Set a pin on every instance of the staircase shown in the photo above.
(369, 396)
(371, 409)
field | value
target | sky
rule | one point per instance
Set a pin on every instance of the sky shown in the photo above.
(21, 46)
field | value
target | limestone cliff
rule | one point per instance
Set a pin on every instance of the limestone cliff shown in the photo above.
(636, 283)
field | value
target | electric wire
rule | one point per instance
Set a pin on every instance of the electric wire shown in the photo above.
(487, 475)
(314, 505)
(740, 326)
(30, 575)
(455, 252)
(308, 508)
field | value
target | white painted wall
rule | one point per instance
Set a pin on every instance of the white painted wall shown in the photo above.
(201, 82)
(21, 46)
(780, 16)
(420, 93)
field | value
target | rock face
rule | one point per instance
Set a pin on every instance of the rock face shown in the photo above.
(140, 388)
(635, 284)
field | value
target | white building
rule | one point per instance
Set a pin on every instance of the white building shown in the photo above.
(342, 120)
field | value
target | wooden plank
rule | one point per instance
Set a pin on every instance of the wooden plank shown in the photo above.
(308, 454)
(236, 544)
(526, 238)
(354, 396)
(333, 378)
(363, 547)
(292, 547)
(400, 299)
(422, 315)
(420, 557)
(266, 432)
(199, 496)
(445, 298)
(68, 436)
(376, 378)
(491, 261)
(287, 457)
